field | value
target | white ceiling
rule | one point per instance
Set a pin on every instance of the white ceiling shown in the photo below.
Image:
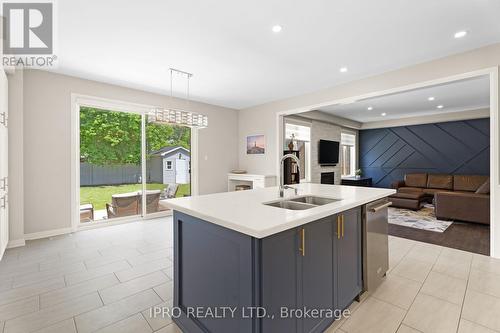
(239, 62)
(457, 96)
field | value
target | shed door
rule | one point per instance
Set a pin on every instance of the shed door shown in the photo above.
(181, 171)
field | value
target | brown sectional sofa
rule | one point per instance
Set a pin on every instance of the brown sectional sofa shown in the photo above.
(454, 196)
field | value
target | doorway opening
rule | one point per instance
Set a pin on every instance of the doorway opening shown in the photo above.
(451, 135)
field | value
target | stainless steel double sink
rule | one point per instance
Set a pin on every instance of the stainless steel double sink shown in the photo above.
(301, 203)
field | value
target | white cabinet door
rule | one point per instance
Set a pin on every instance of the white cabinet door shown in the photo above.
(4, 160)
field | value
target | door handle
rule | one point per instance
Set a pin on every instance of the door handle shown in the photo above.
(4, 202)
(342, 225)
(302, 247)
(376, 209)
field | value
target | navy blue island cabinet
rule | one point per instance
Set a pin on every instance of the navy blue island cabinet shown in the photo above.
(228, 282)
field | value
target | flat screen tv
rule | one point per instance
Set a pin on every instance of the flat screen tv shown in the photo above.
(328, 152)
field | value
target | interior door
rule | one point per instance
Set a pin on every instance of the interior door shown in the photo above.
(4, 160)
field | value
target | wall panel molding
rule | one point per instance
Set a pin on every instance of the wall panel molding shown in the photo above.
(458, 147)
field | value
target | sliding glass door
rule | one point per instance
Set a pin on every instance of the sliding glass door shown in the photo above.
(110, 164)
(168, 164)
(113, 147)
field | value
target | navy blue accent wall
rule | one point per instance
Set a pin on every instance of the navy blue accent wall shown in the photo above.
(457, 147)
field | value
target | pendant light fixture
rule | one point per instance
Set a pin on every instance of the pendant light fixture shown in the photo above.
(178, 116)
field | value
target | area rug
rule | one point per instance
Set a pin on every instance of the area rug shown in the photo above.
(424, 218)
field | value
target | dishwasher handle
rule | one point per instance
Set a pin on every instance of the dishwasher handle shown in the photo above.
(376, 209)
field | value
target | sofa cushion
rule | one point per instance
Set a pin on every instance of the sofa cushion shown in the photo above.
(463, 192)
(432, 191)
(468, 182)
(485, 188)
(406, 189)
(414, 195)
(444, 182)
(416, 180)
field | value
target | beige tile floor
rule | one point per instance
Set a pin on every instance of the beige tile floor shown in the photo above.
(430, 289)
(106, 280)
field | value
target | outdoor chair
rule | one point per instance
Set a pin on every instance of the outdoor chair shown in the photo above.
(171, 190)
(152, 201)
(125, 204)
(86, 212)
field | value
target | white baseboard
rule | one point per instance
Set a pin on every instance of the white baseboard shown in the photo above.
(16, 243)
(48, 233)
(62, 231)
(107, 223)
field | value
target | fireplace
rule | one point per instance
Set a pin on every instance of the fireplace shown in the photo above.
(328, 178)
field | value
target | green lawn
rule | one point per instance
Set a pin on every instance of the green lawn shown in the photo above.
(100, 195)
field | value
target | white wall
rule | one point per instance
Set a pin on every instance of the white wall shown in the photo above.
(47, 143)
(16, 157)
(261, 164)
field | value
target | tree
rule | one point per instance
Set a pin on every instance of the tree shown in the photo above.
(114, 138)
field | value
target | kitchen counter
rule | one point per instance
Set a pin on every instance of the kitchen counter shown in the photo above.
(244, 211)
(234, 255)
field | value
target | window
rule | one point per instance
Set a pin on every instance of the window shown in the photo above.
(168, 165)
(348, 154)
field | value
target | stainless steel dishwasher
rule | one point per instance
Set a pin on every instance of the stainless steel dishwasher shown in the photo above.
(375, 244)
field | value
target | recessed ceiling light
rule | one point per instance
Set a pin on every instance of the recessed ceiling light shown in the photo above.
(383, 114)
(460, 34)
(430, 98)
(440, 106)
(370, 108)
(277, 28)
(343, 69)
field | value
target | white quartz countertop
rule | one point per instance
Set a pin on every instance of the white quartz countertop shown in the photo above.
(245, 212)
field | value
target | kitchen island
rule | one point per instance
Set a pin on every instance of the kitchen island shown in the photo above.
(251, 261)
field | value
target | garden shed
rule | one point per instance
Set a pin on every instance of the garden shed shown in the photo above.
(175, 164)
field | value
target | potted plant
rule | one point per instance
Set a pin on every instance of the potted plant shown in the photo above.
(358, 173)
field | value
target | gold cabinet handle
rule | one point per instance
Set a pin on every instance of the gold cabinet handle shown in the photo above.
(338, 226)
(302, 247)
(342, 225)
